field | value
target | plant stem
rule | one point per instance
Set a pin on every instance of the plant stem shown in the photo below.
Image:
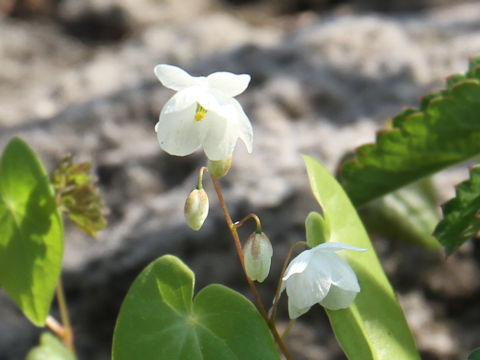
(238, 247)
(279, 286)
(249, 216)
(200, 177)
(289, 327)
(67, 327)
(55, 326)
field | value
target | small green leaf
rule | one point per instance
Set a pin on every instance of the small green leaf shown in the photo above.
(408, 214)
(31, 236)
(50, 348)
(373, 327)
(474, 355)
(78, 196)
(317, 229)
(158, 319)
(443, 132)
(461, 215)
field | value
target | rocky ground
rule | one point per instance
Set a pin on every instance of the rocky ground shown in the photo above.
(78, 78)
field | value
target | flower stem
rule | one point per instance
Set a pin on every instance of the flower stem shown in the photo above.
(200, 177)
(67, 335)
(249, 216)
(55, 326)
(289, 327)
(279, 286)
(238, 247)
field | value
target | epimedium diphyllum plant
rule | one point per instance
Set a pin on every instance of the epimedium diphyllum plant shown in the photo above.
(161, 319)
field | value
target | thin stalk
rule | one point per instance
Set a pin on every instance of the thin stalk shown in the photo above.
(200, 177)
(67, 327)
(238, 247)
(289, 327)
(55, 326)
(279, 286)
(249, 216)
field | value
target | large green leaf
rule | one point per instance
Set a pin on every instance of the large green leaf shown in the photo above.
(50, 348)
(444, 131)
(461, 214)
(374, 326)
(407, 214)
(158, 319)
(31, 236)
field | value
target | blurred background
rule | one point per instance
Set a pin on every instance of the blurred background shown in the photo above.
(77, 77)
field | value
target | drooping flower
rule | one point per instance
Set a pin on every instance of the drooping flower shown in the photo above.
(203, 112)
(319, 275)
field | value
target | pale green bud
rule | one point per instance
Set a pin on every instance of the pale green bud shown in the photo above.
(196, 208)
(219, 168)
(257, 254)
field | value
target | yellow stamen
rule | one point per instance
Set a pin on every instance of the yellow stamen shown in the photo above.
(200, 112)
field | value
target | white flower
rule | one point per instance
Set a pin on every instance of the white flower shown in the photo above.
(319, 275)
(203, 112)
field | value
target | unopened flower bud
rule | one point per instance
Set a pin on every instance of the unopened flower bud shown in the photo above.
(196, 208)
(219, 168)
(257, 254)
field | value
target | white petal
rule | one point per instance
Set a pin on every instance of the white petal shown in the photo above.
(237, 126)
(298, 264)
(212, 101)
(182, 100)
(294, 311)
(307, 288)
(175, 78)
(338, 298)
(335, 246)
(216, 144)
(243, 126)
(229, 84)
(339, 271)
(178, 133)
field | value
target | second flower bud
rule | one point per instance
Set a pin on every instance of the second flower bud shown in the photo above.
(257, 254)
(196, 208)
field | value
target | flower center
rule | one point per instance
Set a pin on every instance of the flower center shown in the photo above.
(200, 112)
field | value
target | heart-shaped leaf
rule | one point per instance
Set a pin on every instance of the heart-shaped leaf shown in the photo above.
(31, 236)
(158, 319)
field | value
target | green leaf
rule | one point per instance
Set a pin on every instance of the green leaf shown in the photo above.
(50, 348)
(374, 326)
(444, 131)
(461, 215)
(31, 236)
(317, 229)
(158, 319)
(408, 214)
(474, 355)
